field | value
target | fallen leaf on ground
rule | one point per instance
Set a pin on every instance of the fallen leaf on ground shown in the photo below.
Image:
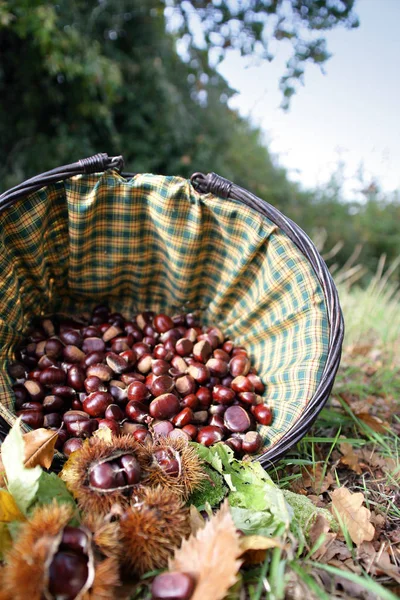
(330, 547)
(350, 458)
(39, 447)
(196, 520)
(9, 510)
(254, 547)
(212, 556)
(348, 509)
(2, 473)
(315, 478)
(373, 422)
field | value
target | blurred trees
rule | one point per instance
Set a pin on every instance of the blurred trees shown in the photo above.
(139, 78)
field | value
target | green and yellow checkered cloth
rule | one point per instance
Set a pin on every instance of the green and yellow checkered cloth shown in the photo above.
(155, 243)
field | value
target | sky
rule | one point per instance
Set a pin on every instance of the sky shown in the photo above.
(351, 114)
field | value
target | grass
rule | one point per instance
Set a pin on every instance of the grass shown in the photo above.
(369, 380)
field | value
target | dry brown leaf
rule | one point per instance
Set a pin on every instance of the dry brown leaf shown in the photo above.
(330, 547)
(347, 507)
(255, 547)
(350, 458)
(196, 520)
(39, 448)
(318, 528)
(211, 556)
(374, 423)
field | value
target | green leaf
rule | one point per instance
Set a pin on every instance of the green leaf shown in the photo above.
(251, 489)
(254, 522)
(51, 488)
(22, 483)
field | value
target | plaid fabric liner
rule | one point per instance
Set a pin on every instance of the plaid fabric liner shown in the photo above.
(154, 242)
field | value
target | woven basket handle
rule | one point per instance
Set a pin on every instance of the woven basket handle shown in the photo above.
(93, 164)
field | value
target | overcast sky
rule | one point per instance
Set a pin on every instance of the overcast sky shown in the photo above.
(351, 113)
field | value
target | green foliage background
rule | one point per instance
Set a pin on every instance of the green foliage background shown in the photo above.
(82, 77)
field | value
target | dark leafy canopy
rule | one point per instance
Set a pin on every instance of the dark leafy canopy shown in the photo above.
(86, 76)
(255, 26)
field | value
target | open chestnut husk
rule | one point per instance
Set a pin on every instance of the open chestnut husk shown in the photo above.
(172, 463)
(52, 560)
(103, 473)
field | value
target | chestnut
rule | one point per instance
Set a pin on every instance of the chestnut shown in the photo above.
(53, 403)
(72, 445)
(186, 385)
(258, 385)
(137, 391)
(35, 390)
(130, 468)
(110, 424)
(136, 411)
(101, 371)
(162, 385)
(52, 420)
(185, 417)
(162, 428)
(96, 403)
(184, 347)
(163, 323)
(116, 363)
(76, 378)
(239, 365)
(33, 418)
(236, 419)
(164, 406)
(223, 395)
(209, 435)
(262, 413)
(92, 358)
(113, 411)
(73, 354)
(202, 351)
(71, 337)
(68, 573)
(242, 384)
(93, 344)
(252, 442)
(191, 430)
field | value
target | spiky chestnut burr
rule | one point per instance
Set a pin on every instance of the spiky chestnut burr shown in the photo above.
(51, 560)
(172, 463)
(103, 473)
(151, 528)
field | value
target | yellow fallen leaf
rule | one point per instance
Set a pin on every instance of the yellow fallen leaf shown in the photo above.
(349, 510)
(2, 473)
(39, 448)
(211, 556)
(9, 510)
(258, 542)
(255, 547)
(5, 541)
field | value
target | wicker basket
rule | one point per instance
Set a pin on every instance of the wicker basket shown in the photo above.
(84, 233)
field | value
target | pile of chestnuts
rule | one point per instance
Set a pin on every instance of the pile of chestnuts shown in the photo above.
(150, 375)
